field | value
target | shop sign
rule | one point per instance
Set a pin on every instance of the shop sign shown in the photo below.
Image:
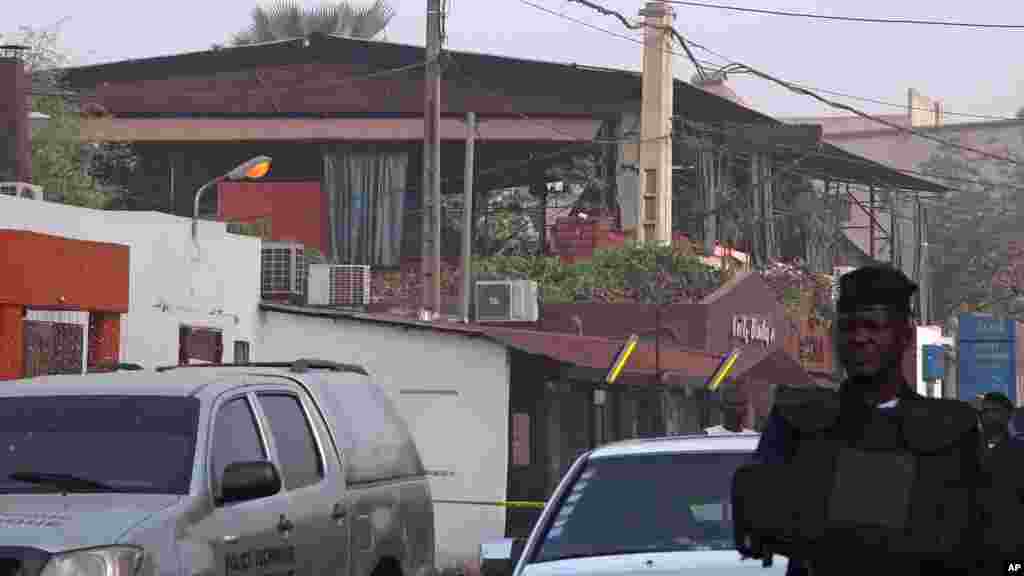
(753, 329)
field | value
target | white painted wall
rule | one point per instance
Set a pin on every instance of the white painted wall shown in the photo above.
(461, 431)
(196, 283)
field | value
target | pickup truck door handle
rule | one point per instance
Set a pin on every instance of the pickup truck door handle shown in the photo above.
(284, 525)
(338, 513)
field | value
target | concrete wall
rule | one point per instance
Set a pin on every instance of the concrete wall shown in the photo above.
(172, 281)
(454, 392)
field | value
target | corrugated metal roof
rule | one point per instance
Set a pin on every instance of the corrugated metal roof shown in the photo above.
(584, 351)
(334, 129)
(598, 91)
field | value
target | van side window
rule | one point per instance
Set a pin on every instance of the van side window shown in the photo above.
(236, 438)
(301, 462)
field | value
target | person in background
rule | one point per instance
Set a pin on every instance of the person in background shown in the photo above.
(1016, 427)
(734, 413)
(996, 410)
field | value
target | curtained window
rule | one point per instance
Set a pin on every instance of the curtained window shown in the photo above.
(366, 196)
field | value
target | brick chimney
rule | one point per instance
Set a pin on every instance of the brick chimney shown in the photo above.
(15, 150)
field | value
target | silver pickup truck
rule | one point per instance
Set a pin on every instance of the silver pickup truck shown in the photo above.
(298, 468)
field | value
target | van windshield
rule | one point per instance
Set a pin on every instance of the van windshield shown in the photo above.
(140, 444)
(645, 503)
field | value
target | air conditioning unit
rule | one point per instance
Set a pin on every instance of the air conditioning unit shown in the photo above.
(506, 301)
(284, 271)
(837, 272)
(341, 285)
(21, 190)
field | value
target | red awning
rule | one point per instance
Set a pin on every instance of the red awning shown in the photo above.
(539, 129)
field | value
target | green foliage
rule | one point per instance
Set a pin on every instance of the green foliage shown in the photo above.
(59, 162)
(973, 231)
(58, 159)
(628, 274)
(285, 20)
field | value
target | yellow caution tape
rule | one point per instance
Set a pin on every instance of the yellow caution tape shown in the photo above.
(500, 503)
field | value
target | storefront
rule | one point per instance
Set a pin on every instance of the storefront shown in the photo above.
(744, 313)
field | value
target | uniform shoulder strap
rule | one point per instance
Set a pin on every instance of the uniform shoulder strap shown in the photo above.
(932, 424)
(808, 409)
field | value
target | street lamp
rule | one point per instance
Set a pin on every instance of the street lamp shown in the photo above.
(252, 169)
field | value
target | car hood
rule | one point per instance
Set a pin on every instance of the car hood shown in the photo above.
(55, 522)
(717, 562)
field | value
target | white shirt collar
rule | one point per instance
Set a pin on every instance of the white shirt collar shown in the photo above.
(890, 404)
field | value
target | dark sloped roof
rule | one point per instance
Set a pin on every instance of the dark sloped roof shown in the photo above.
(588, 89)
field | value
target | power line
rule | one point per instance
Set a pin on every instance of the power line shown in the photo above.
(850, 18)
(853, 159)
(636, 26)
(731, 67)
(696, 61)
(841, 106)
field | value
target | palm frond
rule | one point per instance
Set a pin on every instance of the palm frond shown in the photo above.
(323, 19)
(370, 21)
(286, 20)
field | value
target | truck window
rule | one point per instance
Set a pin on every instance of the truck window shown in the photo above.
(235, 438)
(301, 464)
(134, 444)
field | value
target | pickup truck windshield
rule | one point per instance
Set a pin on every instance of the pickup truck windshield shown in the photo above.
(140, 444)
(645, 503)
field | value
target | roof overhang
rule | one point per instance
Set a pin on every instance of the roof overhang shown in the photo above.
(557, 130)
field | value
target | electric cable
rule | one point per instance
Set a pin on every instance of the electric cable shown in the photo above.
(731, 68)
(849, 18)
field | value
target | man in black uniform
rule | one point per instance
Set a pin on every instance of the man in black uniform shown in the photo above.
(875, 330)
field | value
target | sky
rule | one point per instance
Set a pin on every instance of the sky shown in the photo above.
(973, 71)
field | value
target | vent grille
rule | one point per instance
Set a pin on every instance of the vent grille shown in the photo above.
(350, 285)
(342, 285)
(284, 269)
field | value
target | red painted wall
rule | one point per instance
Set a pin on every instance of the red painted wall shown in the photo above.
(297, 210)
(50, 272)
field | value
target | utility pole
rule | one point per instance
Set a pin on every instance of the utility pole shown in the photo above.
(654, 212)
(467, 218)
(430, 306)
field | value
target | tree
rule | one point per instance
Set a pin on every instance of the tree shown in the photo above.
(285, 20)
(58, 158)
(974, 231)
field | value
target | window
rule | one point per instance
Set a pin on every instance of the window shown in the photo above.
(236, 438)
(241, 352)
(136, 444)
(300, 462)
(678, 502)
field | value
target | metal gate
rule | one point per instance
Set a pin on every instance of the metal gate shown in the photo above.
(53, 348)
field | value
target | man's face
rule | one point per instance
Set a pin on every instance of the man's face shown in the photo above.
(870, 341)
(995, 418)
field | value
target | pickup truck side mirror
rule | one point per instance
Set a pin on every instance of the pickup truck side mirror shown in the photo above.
(499, 558)
(244, 481)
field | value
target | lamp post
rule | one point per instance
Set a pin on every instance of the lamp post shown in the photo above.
(252, 169)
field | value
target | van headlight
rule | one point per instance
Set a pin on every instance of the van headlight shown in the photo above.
(103, 561)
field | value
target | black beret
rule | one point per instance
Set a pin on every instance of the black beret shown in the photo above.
(998, 398)
(875, 286)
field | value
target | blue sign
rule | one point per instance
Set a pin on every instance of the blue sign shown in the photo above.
(933, 358)
(987, 367)
(985, 328)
